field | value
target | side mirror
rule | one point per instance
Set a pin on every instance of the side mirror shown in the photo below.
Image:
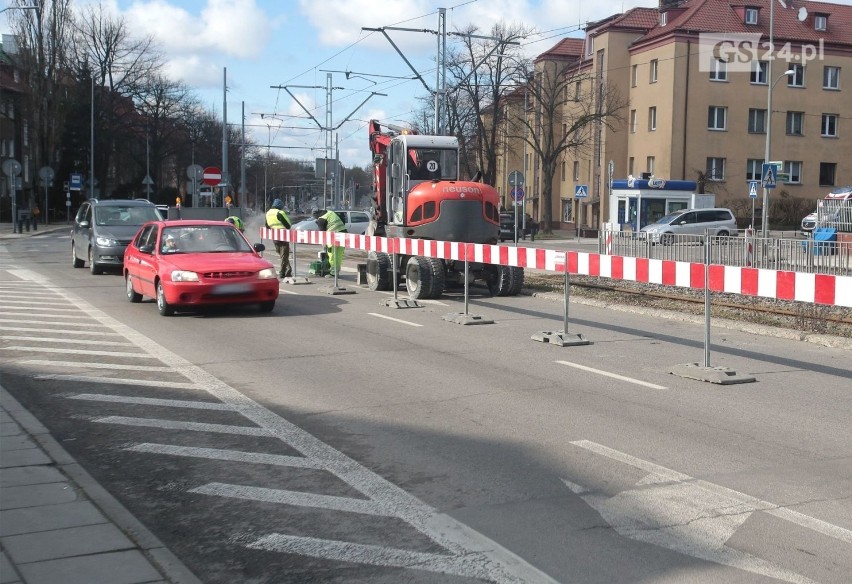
(147, 248)
(84, 224)
(259, 247)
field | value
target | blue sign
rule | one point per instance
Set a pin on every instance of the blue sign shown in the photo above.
(752, 189)
(518, 194)
(768, 173)
(76, 182)
(581, 192)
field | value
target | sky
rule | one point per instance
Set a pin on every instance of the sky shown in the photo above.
(266, 43)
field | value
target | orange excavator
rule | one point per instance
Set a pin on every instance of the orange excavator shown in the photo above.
(418, 194)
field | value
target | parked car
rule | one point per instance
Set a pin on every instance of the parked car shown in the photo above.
(835, 210)
(720, 222)
(103, 229)
(186, 264)
(354, 222)
(507, 226)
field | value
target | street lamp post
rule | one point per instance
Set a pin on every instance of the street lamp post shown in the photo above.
(764, 215)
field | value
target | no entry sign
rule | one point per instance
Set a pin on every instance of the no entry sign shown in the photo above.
(212, 176)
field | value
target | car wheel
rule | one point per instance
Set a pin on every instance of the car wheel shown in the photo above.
(132, 295)
(164, 307)
(267, 306)
(666, 239)
(93, 267)
(75, 261)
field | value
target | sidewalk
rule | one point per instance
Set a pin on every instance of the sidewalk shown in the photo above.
(6, 231)
(58, 525)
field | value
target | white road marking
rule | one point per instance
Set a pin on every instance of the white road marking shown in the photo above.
(376, 314)
(613, 375)
(691, 516)
(52, 316)
(29, 295)
(359, 553)
(422, 301)
(65, 341)
(49, 330)
(283, 291)
(466, 546)
(83, 365)
(118, 381)
(188, 426)
(44, 309)
(222, 454)
(295, 498)
(78, 352)
(148, 401)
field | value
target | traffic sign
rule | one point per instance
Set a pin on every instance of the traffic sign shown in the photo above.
(194, 172)
(212, 176)
(76, 182)
(11, 168)
(752, 189)
(768, 173)
(518, 194)
(516, 178)
(581, 192)
(45, 173)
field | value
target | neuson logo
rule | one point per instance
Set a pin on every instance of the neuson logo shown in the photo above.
(741, 50)
(461, 190)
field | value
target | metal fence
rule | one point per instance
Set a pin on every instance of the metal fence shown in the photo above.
(795, 255)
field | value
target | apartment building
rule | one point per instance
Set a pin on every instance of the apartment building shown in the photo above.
(695, 77)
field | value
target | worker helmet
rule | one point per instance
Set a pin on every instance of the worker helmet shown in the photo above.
(278, 204)
(236, 222)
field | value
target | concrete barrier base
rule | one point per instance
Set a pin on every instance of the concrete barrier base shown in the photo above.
(467, 319)
(561, 338)
(718, 375)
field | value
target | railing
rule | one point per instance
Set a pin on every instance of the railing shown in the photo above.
(795, 255)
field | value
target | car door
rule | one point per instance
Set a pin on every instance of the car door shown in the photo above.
(82, 230)
(358, 222)
(142, 263)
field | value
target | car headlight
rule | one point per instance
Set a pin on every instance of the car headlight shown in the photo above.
(105, 241)
(184, 276)
(267, 274)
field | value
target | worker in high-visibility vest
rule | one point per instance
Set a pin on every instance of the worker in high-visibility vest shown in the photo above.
(277, 218)
(331, 221)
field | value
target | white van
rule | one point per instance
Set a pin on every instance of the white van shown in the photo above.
(835, 210)
(720, 222)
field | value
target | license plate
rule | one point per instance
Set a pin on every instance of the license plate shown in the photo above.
(231, 289)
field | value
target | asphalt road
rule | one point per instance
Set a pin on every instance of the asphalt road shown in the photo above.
(338, 440)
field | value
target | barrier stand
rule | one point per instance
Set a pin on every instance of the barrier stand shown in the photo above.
(295, 279)
(397, 302)
(562, 338)
(335, 289)
(718, 375)
(465, 317)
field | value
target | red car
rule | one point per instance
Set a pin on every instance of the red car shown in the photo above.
(187, 264)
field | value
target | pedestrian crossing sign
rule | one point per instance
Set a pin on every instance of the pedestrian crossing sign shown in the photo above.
(752, 189)
(581, 192)
(768, 174)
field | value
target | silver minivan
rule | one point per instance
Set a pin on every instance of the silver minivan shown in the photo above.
(720, 222)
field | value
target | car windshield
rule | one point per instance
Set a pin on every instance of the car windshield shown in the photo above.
(116, 215)
(203, 239)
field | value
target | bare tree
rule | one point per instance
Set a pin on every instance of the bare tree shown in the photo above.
(569, 107)
(44, 36)
(120, 65)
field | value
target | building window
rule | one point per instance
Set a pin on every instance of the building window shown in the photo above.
(829, 125)
(719, 71)
(630, 162)
(11, 148)
(577, 91)
(16, 76)
(821, 22)
(526, 162)
(757, 121)
(577, 170)
(664, 18)
(759, 72)
(795, 123)
(754, 168)
(715, 169)
(25, 133)
(827, 174)
(797, 79)
(794, 169)
(751, 15)
(26, 168)
(654, 64)
(649, 164)
(831, 77)
(652, 118)
(564, 130)
(717, 117)
(564, 172)
(10, 112)
(632, 121)
(634, 75)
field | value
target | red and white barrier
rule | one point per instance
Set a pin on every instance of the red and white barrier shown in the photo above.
(783, 285)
